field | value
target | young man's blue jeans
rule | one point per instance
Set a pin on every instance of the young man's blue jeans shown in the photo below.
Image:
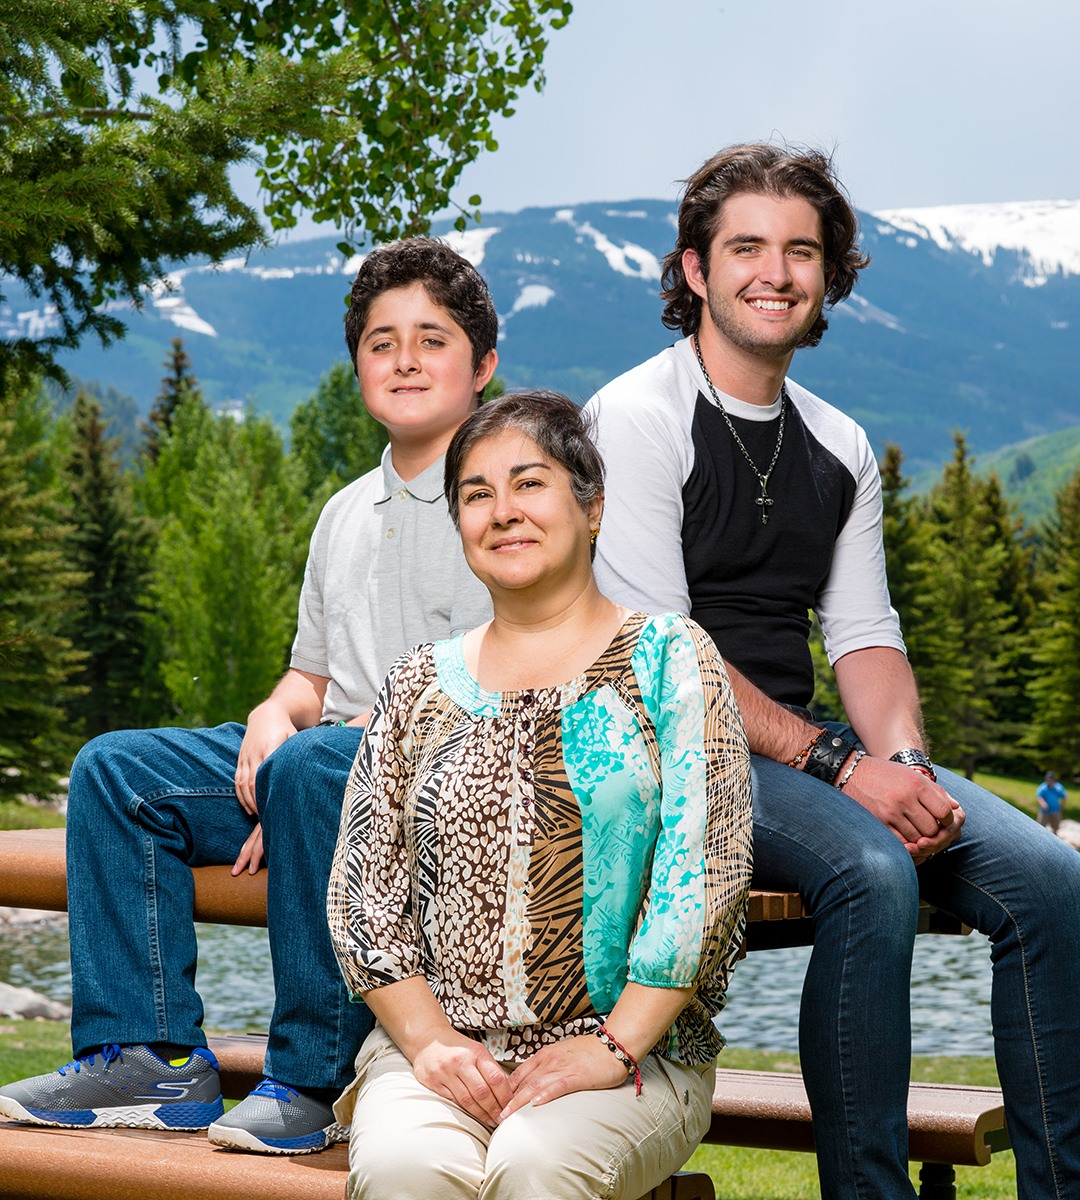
(1006, 876)
(145, 806)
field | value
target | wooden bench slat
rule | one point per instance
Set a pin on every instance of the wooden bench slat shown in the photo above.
(769, 1110)
(33, 875)
(39, 1163)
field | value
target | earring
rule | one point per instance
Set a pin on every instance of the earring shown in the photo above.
(593, 535)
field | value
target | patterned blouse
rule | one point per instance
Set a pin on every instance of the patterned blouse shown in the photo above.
(529, 852)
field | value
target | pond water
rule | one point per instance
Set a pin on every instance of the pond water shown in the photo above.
(950, 991)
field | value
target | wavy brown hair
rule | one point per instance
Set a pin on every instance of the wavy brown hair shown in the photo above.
(769, 171)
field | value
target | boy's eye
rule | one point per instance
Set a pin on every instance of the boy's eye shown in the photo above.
(434, 341)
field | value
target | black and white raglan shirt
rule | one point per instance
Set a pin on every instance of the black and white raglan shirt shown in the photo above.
(681, 531)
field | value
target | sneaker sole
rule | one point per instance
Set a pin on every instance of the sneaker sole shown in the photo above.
(234, 1138)
(189, 1118)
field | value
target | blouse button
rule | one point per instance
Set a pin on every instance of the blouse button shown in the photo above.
(389, 533)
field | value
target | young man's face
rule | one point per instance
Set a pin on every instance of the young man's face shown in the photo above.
(766, 274)
(415, 366)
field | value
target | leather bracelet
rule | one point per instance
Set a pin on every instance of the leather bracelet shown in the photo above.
(807, 748)
(827, 757)
(859, 756)
(917, 760)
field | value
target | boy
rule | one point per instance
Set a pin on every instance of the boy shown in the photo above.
(385, 571)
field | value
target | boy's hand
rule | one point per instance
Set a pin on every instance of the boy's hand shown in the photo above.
(268, 726)
(251, 853)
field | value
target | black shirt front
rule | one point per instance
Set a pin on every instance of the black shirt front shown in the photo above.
(751, 584)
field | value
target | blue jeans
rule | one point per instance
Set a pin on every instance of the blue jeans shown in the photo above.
(1005, 876)
(146, 805)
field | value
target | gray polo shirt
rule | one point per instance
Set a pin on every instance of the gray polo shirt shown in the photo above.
(385, 572)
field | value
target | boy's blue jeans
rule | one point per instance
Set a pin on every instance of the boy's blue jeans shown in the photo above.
(1006, 876)
(146, 805)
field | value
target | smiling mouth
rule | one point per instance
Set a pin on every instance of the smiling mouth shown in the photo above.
(407, 390)
(772, 305)
(516, 544)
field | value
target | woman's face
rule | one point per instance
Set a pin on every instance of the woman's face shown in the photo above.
(520, 521)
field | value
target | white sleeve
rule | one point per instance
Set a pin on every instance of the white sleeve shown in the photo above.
(853, 603)
(309, 649)
(647, 459)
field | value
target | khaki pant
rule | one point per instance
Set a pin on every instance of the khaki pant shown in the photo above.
(410, 1144)
(1050, 819)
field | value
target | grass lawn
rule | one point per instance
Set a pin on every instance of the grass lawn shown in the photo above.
(1019, 791)
(15, 815)
(34, 1047)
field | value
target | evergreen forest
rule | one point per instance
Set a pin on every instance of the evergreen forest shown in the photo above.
(150, 576)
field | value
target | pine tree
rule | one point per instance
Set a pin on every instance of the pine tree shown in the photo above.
(905, 536)
(38, 590)
(1014, 589)
(228, 561)
(111, 546)
(178, 385)
(1054, 733)
(334, 438)
(957, 649)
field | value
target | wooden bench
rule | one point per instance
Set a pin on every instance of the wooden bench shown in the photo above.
(947, 1125)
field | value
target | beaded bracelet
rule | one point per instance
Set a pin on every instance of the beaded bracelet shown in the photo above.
(859, 756)
(623, 1055)
(807, 748)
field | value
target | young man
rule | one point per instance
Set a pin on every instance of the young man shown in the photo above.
(738, 497)
(385, 572)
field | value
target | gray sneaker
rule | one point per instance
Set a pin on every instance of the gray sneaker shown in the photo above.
(125, 1087)
(277, 1119)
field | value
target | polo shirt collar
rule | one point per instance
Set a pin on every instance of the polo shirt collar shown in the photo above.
(427, 486)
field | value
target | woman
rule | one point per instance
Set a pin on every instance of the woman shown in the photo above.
(540, 879)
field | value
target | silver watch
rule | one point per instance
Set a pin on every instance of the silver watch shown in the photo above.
(915, 758)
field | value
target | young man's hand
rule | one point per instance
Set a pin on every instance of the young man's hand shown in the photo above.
(909, 804)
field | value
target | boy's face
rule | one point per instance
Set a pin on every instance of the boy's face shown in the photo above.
(414, 363)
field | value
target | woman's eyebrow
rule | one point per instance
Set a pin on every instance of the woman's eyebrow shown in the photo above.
(529, 467)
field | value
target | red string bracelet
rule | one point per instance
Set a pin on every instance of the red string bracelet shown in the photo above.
(623, 1055)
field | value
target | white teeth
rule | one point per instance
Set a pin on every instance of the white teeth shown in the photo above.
(772, 305)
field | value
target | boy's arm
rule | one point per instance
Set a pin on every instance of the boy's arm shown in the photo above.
(296, 703)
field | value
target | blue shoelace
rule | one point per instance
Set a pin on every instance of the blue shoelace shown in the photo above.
(277, 1091)
(108, 1053)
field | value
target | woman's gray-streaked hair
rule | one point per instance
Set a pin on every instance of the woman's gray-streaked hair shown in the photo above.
(555, 423)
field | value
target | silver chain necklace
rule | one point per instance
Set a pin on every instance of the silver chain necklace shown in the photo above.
(763, 501)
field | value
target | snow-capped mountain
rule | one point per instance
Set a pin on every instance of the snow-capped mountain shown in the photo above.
(966, 317)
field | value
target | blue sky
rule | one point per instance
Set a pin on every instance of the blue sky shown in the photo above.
(926, 102)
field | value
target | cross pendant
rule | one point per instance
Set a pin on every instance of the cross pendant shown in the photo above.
(764, 503)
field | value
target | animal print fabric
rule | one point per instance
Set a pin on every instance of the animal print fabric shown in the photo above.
(529, 852)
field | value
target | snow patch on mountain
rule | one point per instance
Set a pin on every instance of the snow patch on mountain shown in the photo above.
(1045, 232)
(533, 295)
(619, 257)
(863, 311)
(470, 243)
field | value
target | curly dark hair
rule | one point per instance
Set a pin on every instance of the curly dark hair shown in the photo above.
(769, 171)
(451, 281)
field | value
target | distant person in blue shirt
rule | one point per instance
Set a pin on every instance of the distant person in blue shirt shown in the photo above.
(1051, 797)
